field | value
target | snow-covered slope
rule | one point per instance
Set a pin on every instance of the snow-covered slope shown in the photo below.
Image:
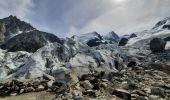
(95, 39)
(160, 30)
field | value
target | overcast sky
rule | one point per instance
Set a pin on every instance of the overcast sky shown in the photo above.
(68, 17)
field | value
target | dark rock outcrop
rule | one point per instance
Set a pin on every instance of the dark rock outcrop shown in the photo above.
(123, 42)
(30, 41)
(94, 42)
(157, 45)
(132, 35)
(166, 27)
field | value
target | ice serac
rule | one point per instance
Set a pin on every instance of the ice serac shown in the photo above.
(12, 26)
(71, 56)
(11, 61)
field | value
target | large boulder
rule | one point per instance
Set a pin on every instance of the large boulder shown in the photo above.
(157, 45)
(30, 41)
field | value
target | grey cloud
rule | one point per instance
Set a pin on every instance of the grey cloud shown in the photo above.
(20, 8)
(68, 17)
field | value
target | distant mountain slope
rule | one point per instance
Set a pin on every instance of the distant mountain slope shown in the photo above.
(142, 39)
(95, 39)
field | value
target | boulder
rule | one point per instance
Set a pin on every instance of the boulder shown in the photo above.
(157, 45)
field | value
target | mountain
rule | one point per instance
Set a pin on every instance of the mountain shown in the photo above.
(11, 26)
(17, 35)
(142, 39)
(95, 39)
(111, 37)
(163, 24)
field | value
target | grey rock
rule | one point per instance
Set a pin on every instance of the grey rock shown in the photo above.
(157, 45)
(158, 91)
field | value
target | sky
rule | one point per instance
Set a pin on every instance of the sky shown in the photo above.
(65, 18)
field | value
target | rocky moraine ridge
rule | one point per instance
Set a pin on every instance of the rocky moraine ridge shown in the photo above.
(85, 67)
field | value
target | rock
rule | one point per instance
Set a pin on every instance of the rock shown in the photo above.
(12, 26)
(141, 93)
(50, 83)
(78, 98)
(91, 93)
(21, 91)
(86, 84)
(59, 87)
(13, 94)
(166, 27)
(77, 93)
(158, 91)
(103, 85)
(132, 35)
(29, 89)
(154, 97)
(122, 93)
(157, 45)
(40, 88)
(123, 42)
(132, 64)
(141, 98)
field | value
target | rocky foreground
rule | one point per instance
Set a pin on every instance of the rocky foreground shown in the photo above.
(145, 82)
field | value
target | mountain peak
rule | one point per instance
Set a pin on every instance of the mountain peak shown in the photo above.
(13, 26)
(163, 24)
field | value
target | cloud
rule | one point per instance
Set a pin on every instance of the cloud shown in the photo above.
(69, 17)
(129, 16)
(20, 8)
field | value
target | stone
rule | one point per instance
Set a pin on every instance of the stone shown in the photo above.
(29, 89)
(132, 64)
(13, 94)
(91, 93)
(158, 91)
(103, 85)
(78, 98)
(40, 88)
(123, 42)
(157, 45)
(141, 98)
(86, 84)
(77, 93)
(21, 91)
(122, 93)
